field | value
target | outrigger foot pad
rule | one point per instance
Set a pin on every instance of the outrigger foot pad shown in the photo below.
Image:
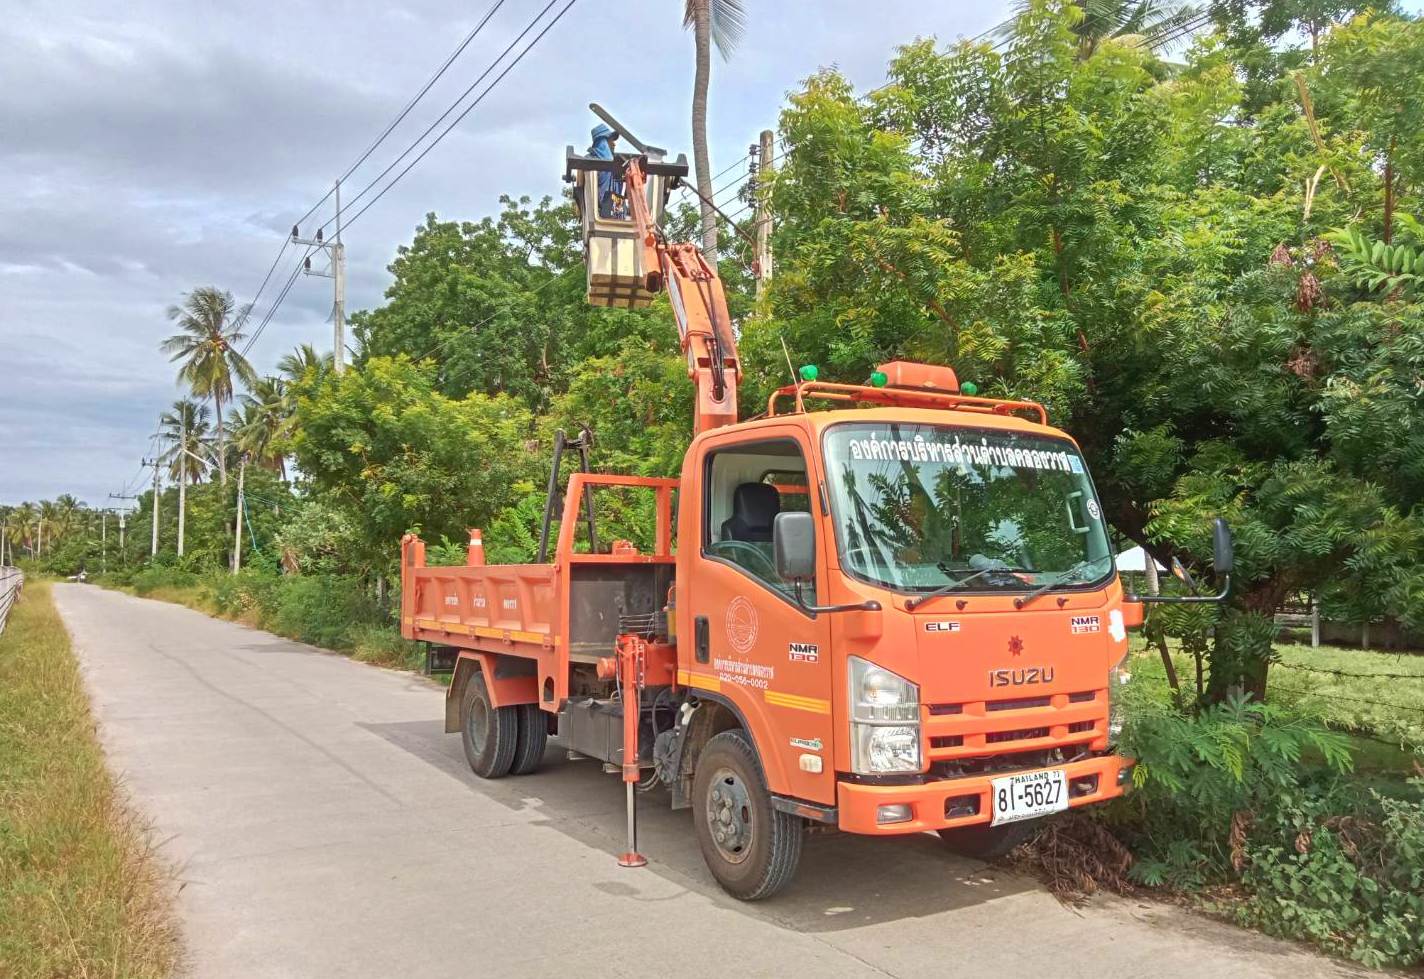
(632, 859)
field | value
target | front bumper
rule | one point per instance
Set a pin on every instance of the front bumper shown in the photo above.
(929, 802)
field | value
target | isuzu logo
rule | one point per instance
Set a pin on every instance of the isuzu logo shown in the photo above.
(1021, 676)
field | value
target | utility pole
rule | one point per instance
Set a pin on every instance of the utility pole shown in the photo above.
(237, 551)
(104, 542)
(153, 516)
(182, 473)
(335, 271)
(765, 159)
(122, 517)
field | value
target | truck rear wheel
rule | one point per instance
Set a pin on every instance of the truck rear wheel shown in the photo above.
(489, 734)
(751, 847)
(529, 744)
(985, 842)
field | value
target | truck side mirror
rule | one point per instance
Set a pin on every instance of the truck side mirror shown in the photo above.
(793, 546)
(1223, 553)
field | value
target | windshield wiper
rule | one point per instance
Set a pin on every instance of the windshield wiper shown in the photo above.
(945, 589)
(1072, 573)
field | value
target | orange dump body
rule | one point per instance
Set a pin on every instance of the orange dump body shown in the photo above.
(994, 680)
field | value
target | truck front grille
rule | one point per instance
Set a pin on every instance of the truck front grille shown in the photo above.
(961, 731)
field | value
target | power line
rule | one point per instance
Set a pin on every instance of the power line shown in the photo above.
(372, 148)
(431, 128)
(421, 94)
(348, 221)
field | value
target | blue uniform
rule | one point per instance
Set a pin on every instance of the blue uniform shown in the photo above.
(608, 184)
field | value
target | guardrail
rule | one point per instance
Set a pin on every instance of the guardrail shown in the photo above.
(10, 581)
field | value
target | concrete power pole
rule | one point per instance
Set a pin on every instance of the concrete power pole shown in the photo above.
(182, 476)
(237, 550)
(335, 271)
(153, 516)
(765, 159)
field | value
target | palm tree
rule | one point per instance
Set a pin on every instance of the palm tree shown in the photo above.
(1148, 23)
(211, 326)
(22, 522)
(261, 422)
(721, 23)
(186, 432)
(294, 365)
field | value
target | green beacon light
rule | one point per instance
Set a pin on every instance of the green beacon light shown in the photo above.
(878, 379)
(969, 388)
(809, 372)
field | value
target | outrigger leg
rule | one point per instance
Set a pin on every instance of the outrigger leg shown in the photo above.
(631, 652)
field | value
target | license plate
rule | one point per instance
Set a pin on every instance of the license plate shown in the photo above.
(1030, 794)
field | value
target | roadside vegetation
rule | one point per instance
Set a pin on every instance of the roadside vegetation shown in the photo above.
(82, 893)
(1197, 240)
(330, 611)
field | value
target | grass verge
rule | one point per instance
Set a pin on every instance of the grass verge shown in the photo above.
(81, 891)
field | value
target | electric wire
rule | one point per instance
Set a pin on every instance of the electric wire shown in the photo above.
(371, 149)
(424, 89)
(453, 106)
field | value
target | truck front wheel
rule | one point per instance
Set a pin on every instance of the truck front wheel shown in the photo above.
(985, 842)
(489, 734)
(751, 847)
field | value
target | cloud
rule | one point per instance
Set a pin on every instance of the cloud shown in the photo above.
(153, 146)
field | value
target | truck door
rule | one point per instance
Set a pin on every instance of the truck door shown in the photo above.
(753, 644)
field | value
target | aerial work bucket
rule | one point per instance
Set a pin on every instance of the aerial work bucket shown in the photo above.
(613, 254)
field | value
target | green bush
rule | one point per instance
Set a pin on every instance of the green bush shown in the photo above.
(322, 609)
(1346, 873)
(153, 579)
(384, 646)
(1248, 795)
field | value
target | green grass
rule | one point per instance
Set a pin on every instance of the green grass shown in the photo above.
(1377, 696)
(81, 892)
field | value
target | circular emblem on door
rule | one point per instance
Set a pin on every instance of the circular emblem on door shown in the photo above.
(741, 624)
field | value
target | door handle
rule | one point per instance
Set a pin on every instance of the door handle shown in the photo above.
(701, 639)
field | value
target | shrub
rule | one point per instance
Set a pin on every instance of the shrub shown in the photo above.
(1249, 795)
(384, 646)
(160, 578)
(322, 609)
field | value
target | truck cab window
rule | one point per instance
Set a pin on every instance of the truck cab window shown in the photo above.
(747, 486)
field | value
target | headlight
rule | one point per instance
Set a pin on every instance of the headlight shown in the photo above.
(1118, 677)
(885, 720)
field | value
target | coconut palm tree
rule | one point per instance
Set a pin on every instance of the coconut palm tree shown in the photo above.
(186, 433)
(1150, 23)
(262, 420)
(294, 365)
(719, 23)
(211, 325)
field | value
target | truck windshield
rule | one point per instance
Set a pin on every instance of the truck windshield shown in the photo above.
(929, 507)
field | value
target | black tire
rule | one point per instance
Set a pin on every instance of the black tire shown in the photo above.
(760, 856)
(533, 736)
(985, 842)
(489, 734)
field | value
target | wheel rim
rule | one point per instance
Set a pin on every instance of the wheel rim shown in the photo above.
(478, 728)
(729, 816)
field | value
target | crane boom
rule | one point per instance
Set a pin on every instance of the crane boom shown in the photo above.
(699, 305)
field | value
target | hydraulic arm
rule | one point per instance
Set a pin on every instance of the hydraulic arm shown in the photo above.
(698, 304)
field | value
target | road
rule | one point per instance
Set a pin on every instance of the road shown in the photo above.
(323, 825)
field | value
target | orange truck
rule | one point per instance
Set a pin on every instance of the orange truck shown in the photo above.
(886, 608)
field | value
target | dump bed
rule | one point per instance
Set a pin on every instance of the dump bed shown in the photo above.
(563, 612)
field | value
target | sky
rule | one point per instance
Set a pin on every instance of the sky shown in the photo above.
(153, 146)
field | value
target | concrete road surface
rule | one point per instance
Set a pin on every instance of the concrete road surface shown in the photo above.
(324, 826)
